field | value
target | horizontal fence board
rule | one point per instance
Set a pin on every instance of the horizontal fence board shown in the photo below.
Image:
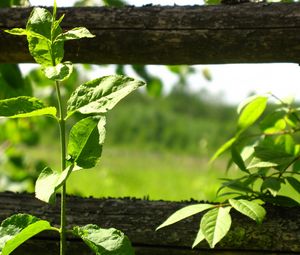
(280, 232)
(242, 33)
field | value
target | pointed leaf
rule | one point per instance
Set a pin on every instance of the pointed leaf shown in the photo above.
(223, 148)
(271, 184)
(237, 159)
(17, 229)
(249, 208)
(199, 238)
(281, 201)
(184, 213)
(24, 107)
(60, 72)
(294, 183)
(74, 34)
(16, 31)
(272, 155)
(251, 112)
(86, 141)
(257, 163)
(100, 95)
(104, 241)
(49, 182)
(215, 224)
(40, 35)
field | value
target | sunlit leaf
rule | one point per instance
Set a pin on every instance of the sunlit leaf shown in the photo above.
(258, 163)
(199, 238)
(40, 35)
(59, 72)
(294, 183)
(86, 141)
(223, 148)
(24, 107)
(17, 229)
(104, 241)
(16, 31)
(49, 182)
(74, 34)
(102, 94)
(215, 224)
(251, 112)
(249, 208)
(185, 212)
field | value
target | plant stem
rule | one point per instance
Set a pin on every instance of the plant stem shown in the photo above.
(62, 128)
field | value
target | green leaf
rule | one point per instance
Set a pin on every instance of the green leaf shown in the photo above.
(17, 229)
(12, 82)
(102, 94)
(276, 156)
(199, 238)
(24, 107)
(251, 112)
(49, 182)
(16, 31)
(86, 141)
(60, 72)
(249, 208)
(104, 241)
(271, 184)
(74, 34)
(273, 122)
(257, 163)
(281, 201)
(294, 183)
(40, 37)
(215, 224)
(236, 185)
(237, 159)
(184, 213)
(223, 148)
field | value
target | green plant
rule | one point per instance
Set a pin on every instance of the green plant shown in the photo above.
(89, 102)
(268, 158)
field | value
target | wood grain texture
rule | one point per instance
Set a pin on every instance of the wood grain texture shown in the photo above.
(280, 232)
(243, 33)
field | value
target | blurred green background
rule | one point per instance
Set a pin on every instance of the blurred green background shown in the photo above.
(157, 147)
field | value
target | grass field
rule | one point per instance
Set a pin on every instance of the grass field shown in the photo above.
(155, 175)
(146, 174)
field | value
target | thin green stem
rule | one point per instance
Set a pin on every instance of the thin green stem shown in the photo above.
(62, 128)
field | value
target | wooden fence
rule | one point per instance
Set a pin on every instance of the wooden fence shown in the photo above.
(244, 33)
(279, 234)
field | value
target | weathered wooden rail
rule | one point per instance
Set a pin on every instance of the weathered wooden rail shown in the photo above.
(243, 33)
(279, 234)
(246, 33)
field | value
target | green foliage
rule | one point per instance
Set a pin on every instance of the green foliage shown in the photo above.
(49, 182)
(184, 213)
(24, 107)
(101, 95)
(46, 44)
(265, 159)
(17, 229)
(215, 224)
(12, 83)
(104, 241)
(86, 142)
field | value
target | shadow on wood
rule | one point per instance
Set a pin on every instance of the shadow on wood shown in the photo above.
(280, 232)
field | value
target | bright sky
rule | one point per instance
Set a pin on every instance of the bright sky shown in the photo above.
(235, 82)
